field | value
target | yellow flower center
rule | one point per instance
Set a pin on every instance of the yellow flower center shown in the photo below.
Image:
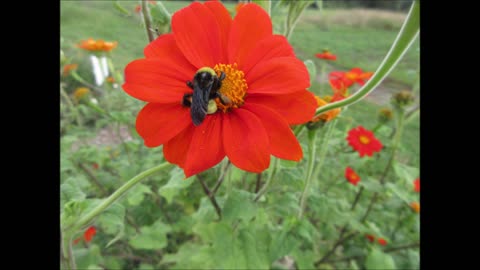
(364, 139)
(234, 87)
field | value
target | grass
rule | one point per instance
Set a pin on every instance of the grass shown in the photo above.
(360, 38)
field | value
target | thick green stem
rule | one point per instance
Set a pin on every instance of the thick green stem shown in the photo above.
(312, 148)
(316, 170)
(273, 170)
(404, 40)
(86, 219)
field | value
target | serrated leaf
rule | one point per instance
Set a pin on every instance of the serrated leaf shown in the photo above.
(175, 184)
(239, 205)
(376, 259)
(406, 173)
(112, 221)
(304, 259)
(137, 194)
(151, 237)
(282, 244)
(191, 256)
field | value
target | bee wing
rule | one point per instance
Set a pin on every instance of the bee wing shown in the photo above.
(198, 109)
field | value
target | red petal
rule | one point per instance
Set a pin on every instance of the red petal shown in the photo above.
(160, 80)
(224, 22)
(250, 25)
(268, 48)
(197, 34)
(245, 141)
(159, 123)
(176, 150)
(206, 147)
(281, 75)
(283, 143)
(297, 108)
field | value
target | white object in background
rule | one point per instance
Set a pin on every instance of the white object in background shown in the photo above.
(104, 66)
(97, 71)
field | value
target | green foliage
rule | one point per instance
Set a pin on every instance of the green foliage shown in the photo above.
(152, 237)
(377, 259)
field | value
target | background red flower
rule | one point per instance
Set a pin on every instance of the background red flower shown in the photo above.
(363, 141)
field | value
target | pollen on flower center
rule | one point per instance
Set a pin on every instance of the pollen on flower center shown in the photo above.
(234, 87)
(364, 139)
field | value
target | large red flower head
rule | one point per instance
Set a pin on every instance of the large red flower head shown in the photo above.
(244, 84)
(363, 141)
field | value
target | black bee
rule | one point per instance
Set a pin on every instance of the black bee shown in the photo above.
(205, 87)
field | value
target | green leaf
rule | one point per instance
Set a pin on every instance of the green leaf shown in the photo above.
(191, 256)
(312, 70)
(255, 247)
(239, 205)
(304, 259)
(112, 221)
(282, 243)
(406, 173)
(376, 259)
(70, 191)
(175, 184)
(151, 237)
(398, 192)
(144, 266)
(137, 194)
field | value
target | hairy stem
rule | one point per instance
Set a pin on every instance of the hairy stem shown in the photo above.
(148, 20)
(273, 170)
(211, 197)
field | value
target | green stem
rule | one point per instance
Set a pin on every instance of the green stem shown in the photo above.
(404, 40)
(67, 251)
(86, 219)
(72, 108)
(147, 20)
(316, 170)
(377, 127)
(312, 148)
(273, 170)
(83, 81)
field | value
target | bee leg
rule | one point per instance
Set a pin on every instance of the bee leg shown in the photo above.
(222, 76)
(187, 100)
(223, 99)
(190, 84)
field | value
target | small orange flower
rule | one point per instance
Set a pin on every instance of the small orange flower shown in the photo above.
(370, 237)
(110, 79)
(97, 45)
(239, 6)
(327, 116)
(69, 67)
(327, 55)
(415, 207)
(352, 176)
(363, 141)
(81, 92)
(382, 241)
(416, 185)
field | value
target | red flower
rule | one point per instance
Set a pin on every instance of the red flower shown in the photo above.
(370, 237)
(87, 235)
(264, 88)
(352, 176)
(95, 166)
(138, 8)
(416, 185)
(239, 6)
(69, 67)
(415, 207)
(363, 141)
(339, 79)
(327, 55)
(382, 241)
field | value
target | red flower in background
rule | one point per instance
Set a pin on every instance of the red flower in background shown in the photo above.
(370, 237)
(382, 241)
(352, 176)
(327, 55)
(363, 141)
(69, 67)
(87, 235)
(416, 185)
(265, 86)
(97, 45)
(138, 8)
(340, 79)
